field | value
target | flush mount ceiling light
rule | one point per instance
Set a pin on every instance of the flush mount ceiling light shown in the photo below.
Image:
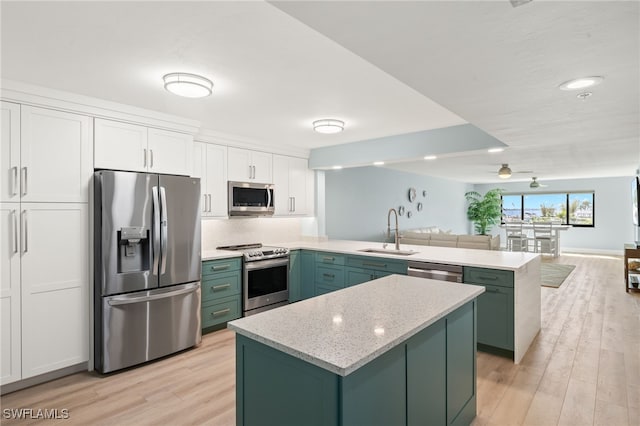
(504, 172)
(581, 83)
(494, 150)
(328, 126)
(188, 85)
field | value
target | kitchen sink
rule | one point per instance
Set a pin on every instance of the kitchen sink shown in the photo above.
(389, 251)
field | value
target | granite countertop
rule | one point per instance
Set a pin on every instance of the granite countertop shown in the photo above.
(343, 330)
(219, 254)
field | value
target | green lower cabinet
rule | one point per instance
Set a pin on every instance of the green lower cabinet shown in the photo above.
(295, 288)
(495, 317)
(221, 289)
(355, 276)
(307, 268)
(427, 380)
(220, 311)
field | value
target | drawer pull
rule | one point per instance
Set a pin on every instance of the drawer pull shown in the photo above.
(375, 265)
(491, 291)
(328, 258)
(222, 312)
(482, 277)
(332, 276)
(220, 267)
(220, 287)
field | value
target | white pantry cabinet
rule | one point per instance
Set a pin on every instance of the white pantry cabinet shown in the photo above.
(245, 165)
(47, 158)
(10, 330)
(210, 165)
(290, 180)
(123, 146)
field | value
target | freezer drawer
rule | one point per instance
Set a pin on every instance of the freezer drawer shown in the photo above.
(146, 325)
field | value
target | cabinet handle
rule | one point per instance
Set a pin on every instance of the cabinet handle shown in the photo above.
(24, 181)
(488, 278)
(294, 203)
(250, 172)
(15, 231)
(145, 158)
(151, 164)
(26, 230)
(491, 291)
(204, 207)
(220, 287)
(15, 180)
(222, 312)
(328, 258)
(254, 171)
(209, 203)
(220, 267)
(332, 276)
(375, 265)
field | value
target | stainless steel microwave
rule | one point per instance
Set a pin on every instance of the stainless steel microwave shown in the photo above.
(250, 199)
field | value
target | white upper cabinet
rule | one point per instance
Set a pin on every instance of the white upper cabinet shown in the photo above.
(249, 166)
(10, 329)
(290, 179)
(210, 165)
(123, 146)
(47, 158)
(10, 152)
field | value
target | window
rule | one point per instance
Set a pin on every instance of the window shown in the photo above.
(572, 208)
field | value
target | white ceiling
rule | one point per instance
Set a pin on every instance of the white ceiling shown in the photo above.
(378, 65)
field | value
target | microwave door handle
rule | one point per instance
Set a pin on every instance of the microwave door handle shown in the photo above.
(268, 198)
(156, 230)
(165, 229)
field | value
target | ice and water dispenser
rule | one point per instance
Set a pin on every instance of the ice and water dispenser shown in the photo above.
(134, 254)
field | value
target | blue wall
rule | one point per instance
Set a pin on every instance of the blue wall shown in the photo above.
(357, 201)
(613, 223)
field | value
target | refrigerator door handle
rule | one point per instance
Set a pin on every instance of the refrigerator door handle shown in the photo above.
(156, 230)
(128, 300)
(165, 229)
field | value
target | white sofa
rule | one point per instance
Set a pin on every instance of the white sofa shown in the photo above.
(433, 236)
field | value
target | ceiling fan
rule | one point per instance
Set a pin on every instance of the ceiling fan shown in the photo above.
(535, 184)
(505, 171)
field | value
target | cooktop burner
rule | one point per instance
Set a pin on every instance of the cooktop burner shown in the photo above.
(254, 252)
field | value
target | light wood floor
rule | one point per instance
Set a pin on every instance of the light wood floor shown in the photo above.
(583, 369)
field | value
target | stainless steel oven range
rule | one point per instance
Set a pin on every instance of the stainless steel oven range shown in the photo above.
(265, 279)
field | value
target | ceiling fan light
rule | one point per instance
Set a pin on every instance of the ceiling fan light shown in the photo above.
(504, 172)
(328, 126)
(188, 85)
(534, 183)
(581, 83)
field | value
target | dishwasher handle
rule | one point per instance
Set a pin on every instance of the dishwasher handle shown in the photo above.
(435, 274)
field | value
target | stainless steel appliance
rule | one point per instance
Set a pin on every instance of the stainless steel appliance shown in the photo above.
(251, 199)
(265, 280)
(147, 267)
(435, 271)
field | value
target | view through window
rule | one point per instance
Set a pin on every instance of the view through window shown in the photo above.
(572, 208)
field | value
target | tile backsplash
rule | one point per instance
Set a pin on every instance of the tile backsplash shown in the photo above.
(224, 232)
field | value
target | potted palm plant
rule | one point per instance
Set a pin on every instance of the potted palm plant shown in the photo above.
(484, 211)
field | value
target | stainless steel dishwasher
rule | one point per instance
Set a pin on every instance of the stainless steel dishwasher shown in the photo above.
(435, 271)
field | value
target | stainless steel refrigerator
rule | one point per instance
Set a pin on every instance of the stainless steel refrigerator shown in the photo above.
(147, 267)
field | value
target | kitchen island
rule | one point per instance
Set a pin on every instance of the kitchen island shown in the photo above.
(396, 350)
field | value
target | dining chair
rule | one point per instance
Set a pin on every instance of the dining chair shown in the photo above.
(544, 238)
(517, 240)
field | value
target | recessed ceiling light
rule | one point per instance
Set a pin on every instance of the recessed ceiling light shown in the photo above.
(494, 150)
(328, 126)
(581, 83)
(378, 163)
(336, 167)
(188, 85)
(430, 157)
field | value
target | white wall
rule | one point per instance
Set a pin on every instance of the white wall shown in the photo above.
(613, 223)
(357, 201)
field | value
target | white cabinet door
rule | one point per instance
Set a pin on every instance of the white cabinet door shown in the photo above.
(10, 353)
(216, 173)
(198, 171)
(298, 185)
(55, 156)
(170, 152)
(10, 152)
(54, 271)
(120, 146)
(262, 163)
(282, 201)
(239, 165)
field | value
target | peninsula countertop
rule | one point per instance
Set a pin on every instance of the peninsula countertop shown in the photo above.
(343, 330)
(493, 259)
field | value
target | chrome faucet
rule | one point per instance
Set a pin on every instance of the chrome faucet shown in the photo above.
(389, 227)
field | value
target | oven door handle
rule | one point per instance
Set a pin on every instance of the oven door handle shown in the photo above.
(263, 264)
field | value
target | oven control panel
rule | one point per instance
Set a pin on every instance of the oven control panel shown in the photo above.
(265, 253)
